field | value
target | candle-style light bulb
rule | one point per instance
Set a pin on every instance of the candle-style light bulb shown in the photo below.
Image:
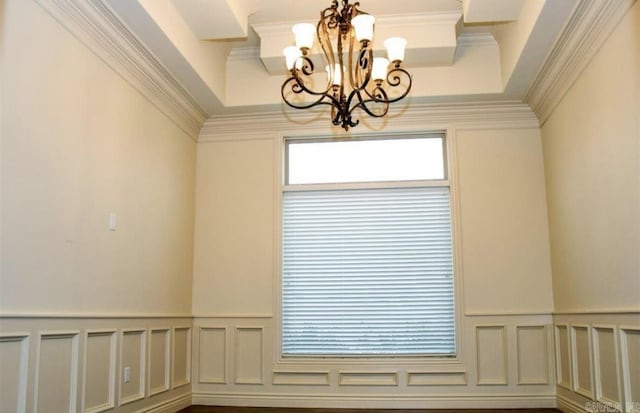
(305, 33)
(363, 26)
(395, 48)
(379, 69)
(291, 54)
(335, 75)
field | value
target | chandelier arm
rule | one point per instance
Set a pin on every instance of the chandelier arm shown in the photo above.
(381, 98)
(307, 69)
(341, 63)
(306, 66)
(352, 81)
(331, 13)
(328, 20)
(364, 65)
(296, 87)
(320, 101)
(302, 88)
(358, 92)
(394, 79)
(299, 87)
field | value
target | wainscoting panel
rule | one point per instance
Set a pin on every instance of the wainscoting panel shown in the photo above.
(248, 355)
(630, 349)
(238, 362)
(133, 358)
(14, 349)
(212, 355)
(581, 360)
(76, 364)
(99, 370)
(368, 378)
(605, 365)
(57, 372)
(434, 378)
(604, 350)
(533, 355)
(563, 356)
(159, 360)
(492, 355)
(300, 378)
(181, 357)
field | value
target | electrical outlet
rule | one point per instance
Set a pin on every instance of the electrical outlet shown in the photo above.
(126, 374)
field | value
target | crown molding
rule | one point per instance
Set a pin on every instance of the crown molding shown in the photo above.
(96, 25)
(391, 21)
(493, 115)
(401, 21)
(473, 39)
(590, 25)
(243, 53)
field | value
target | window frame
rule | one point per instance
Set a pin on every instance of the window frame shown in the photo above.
(449, 165)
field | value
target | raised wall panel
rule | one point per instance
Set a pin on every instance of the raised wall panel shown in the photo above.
(248, 355)
(133, 355)
(159, 360)
(99, 371)
(181, 356)
(301, 378)
(13, 372)
(605, 365)
(581, 358)
(533, 358)
(368, 378)
(491, 352)
(563, 356)
(212, 355)
(57, 372)
(630, 347)
(444, 378)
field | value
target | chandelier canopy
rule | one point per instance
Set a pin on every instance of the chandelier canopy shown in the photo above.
(355, 78)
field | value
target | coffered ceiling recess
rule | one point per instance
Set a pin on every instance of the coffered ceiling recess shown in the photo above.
(227, 54)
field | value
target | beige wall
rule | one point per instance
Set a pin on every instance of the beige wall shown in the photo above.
(591, 147)
(2, 24)
(78, 143)
(592, 164)
(502, 219)
(235, 221)
(505, 250)
(504, 279)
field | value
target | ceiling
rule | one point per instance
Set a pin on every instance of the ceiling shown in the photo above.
(227, 54)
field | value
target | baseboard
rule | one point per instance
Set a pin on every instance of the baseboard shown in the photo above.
(169, 406)
(376, 401)
(569, 406)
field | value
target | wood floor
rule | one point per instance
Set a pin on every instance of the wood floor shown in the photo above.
(213, 409)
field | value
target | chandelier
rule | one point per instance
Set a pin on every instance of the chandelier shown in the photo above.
(355, 78)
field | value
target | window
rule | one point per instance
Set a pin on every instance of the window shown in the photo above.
(367, 266)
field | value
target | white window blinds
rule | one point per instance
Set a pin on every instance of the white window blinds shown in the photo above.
(367, 272)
